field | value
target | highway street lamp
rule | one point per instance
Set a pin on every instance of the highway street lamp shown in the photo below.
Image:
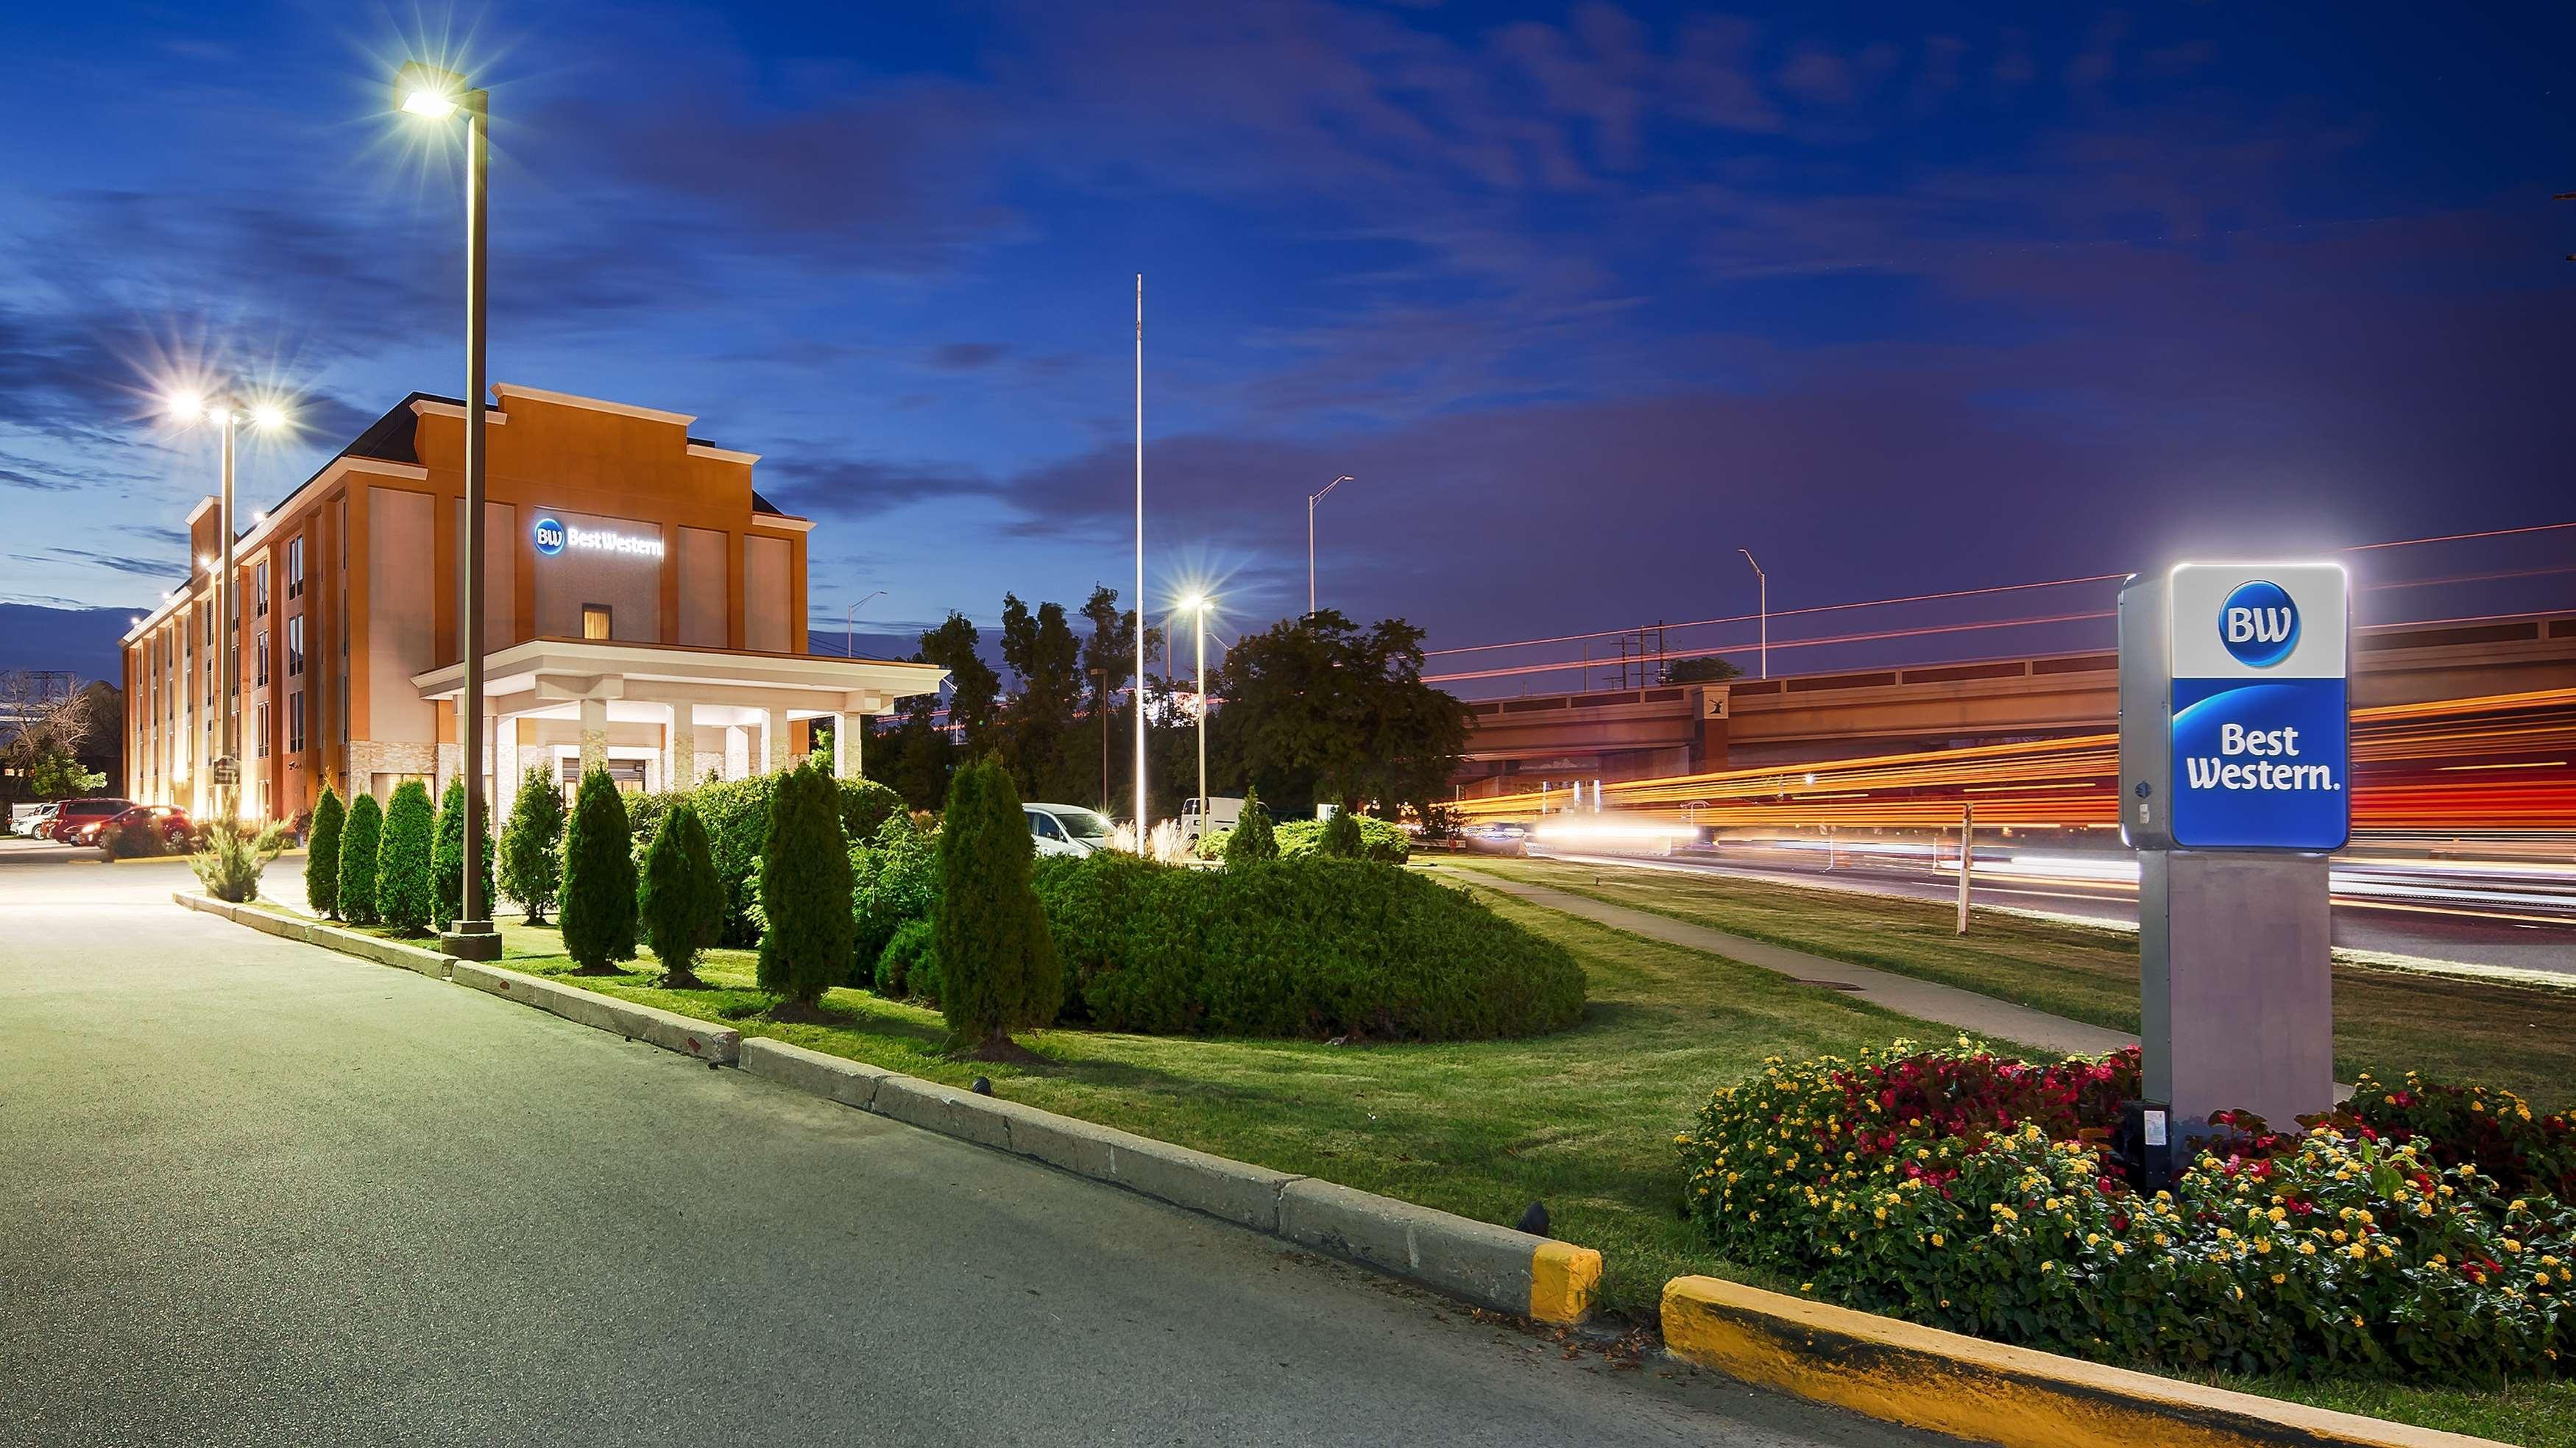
(1765, 580)
(227, 413)
(1311, 500)
(436, 95)
(849, 617)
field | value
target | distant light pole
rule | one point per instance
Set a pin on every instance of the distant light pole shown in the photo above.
(228, 414)
(1765, 580)
(1311, 500)
(1197, 604)
(1100, 706)
(849, 639)
(435, 94)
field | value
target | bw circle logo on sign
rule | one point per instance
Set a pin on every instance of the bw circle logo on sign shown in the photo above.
(2259, 624)
(550, 537)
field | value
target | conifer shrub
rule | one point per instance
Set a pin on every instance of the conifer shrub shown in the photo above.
(997, 962)
(598, 895)
(1251, 838)
(736, 815)
(447, 860)
(908, 967)
(406, 898)
(805, 890)
(532, 845)
(359, 839)
(322, 854)
(1341, 838)
(230, 861)
(682, 904)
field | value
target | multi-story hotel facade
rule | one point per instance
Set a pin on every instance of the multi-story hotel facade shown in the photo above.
(644, 612)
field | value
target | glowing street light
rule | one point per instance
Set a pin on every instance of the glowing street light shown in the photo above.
(437, 95)
(1196, 605)
(188, 407)
(1311, 500)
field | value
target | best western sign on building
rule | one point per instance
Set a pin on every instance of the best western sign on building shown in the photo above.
(2233, 714)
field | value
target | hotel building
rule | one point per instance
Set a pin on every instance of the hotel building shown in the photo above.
(644, 612)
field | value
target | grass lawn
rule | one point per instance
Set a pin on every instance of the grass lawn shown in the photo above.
(2522, 1038)
(1583, 1120)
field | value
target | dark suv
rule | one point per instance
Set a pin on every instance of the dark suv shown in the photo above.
(77, 815)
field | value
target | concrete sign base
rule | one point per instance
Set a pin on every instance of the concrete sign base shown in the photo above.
(2236, 949)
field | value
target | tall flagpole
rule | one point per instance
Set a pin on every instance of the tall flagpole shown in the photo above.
(1143, 842)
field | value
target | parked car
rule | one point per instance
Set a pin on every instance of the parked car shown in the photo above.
(1067, 829)
(78, 814)
(1497, 838)
(173, 823)
(32, 820)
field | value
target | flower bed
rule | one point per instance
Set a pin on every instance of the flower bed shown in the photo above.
(1974, 1193)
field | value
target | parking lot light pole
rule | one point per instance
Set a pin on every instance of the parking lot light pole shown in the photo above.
(1765, 580)
(227, 414)
(1311, 500)
(1197, 604)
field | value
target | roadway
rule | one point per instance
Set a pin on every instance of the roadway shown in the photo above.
(2465, 914)
(264, 1193)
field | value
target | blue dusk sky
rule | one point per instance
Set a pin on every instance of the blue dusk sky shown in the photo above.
(1902, 298)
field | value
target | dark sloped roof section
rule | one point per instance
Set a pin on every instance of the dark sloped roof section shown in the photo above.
(760, 504)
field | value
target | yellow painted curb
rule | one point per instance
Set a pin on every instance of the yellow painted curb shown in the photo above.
(1563, 1278)
(1947, 1382)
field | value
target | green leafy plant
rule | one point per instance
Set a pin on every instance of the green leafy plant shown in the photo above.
(1342, 839)
(1252, 838)
(322, 854)
(736, 815)
(230, 863)
(805, 891)
(598, 897)
(894, 882)
(997, 961)
(406, 897)
(1380, 840)
(359, 842)
(532, 845)
(447, 860)
(908, 967)
(682, 905)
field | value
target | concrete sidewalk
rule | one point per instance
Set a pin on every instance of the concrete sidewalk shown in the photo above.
(1978, 1015)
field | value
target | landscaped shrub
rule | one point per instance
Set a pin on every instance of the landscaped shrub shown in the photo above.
(804, 890)
(598, 897)
(359, 839)
(1252, 839)
(1380, 840)
(1889, 1183)
(322, 855)
(405, 897)
(997, 963)
(908, 967)
(532, 845)
(894, 881)
(736, 814)
(1342, 837)
(141, 839)
(229, 864)
(1314, 947)
(447, 860)
(682, 904)
(2460, 1124)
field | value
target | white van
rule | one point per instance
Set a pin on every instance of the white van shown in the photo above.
(1224, 812)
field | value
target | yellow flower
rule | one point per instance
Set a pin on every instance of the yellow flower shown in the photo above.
(1936, 1239)
(2307, 1249)
(1806, 1287)
(2048, 1266)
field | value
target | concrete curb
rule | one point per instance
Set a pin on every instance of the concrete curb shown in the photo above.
(419, 958)
(1923, 1377)
(699, 1040)
(1485, 1264)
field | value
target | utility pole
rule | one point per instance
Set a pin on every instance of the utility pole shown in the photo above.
(1967, 859)
(1765, 580)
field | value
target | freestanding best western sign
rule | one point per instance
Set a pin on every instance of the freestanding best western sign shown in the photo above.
(2235, 783)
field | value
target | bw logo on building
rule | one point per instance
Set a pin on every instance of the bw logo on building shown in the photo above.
(550, 537)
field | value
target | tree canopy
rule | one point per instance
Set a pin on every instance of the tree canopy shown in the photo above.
(1322, 710)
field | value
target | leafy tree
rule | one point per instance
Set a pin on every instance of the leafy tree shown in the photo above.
(997, 961)
(1046, 661)
(1252, 838)
(359, 839)
(57, 774)
(805, 891)
(683, 901)
(974, 690)
(322, 854)
(1707, 670)
(1342, 837)
(915, 756)
(406, 899)
(1320, 710)
(532, 846)
(598, 899)
(447, 859)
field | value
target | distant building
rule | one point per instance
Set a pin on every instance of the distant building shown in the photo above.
(644, 612)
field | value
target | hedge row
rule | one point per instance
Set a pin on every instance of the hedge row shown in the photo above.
(736, 815)
(1381, 841)
(1973, 1194)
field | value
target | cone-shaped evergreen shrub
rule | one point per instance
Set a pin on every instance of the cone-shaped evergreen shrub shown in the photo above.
(1251, 838)
(405, 898)
(805, 890)
(683, 898)
(532, 846)
(447, 860)
(997, 962)
(322, 854)
(358, 840)
(1342, 837)
(598, 898)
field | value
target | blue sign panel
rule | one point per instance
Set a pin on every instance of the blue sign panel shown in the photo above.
(550, 537)
(2260, 764)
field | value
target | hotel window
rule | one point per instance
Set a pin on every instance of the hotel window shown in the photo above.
(259, 731)
(295, 722)
(594, 620)
(263, 658)
(295, 566)
(295, 646)
(259, 586)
